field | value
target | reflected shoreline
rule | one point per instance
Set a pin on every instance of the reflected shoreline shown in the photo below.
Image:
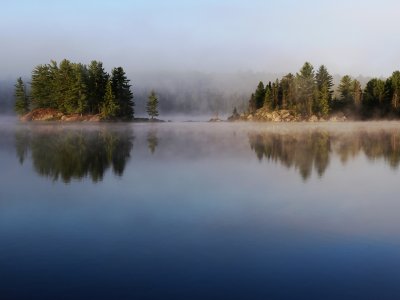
(75, 153)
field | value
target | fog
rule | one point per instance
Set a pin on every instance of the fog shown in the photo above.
(202, 57)
(356, 37)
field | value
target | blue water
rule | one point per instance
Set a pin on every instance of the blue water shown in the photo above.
(199, 211)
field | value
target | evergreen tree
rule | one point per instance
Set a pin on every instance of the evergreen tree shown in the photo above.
(42, 89)
(252, 104)
(357, 94)
(21, 99)
(268, 98)
(123, 94)
(345, 91)
(395, 90)
(96, 82)
(259, 95)
(110, 106)
(374, 95)
(275, 93)
(324, 83)
(322, 105)
(306, 89)
(152, 105)
(288, 86)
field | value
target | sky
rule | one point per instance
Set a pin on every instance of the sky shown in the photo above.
(349, 37)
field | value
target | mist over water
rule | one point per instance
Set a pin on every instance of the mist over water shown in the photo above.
(200, 210)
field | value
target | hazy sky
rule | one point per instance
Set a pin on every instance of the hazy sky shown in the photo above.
(356, 37)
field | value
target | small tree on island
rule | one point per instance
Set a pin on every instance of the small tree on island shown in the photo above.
(21, 99)
(109, 107)
(152, 105)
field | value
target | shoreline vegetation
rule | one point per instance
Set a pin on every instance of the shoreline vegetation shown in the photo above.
(309, 96)
(74, 92)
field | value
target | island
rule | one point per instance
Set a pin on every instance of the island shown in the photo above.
(77, 92)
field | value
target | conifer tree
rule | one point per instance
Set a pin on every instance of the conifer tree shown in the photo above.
(96, 82)
(306, 89)
(123, 94)
(109, 106)
(259, 95)
(324, 83)
(21, 99)
(152, 105)
(395, 90)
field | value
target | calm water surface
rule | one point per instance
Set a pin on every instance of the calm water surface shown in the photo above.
(200, 211)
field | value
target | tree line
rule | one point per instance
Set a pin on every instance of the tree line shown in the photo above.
(75, 88)
(311, 93)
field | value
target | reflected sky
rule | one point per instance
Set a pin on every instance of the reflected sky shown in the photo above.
(200, 211)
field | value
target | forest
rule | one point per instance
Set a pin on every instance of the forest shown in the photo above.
(311, 92)
(75, 88)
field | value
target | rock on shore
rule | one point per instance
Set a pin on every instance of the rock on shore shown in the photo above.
(283, 115)
(50, 114)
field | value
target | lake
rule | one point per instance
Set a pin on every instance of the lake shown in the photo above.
(199, 211)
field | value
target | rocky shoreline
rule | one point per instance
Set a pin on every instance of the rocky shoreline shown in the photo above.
(283, 115)
(49, 114)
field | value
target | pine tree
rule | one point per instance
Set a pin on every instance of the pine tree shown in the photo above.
(395, 90)
(21, 99)
(252, 104)
(306, 89)
(109, 106)
(42, 89)
(324, 83)
(152, 105)
(345, 91)
(123, 94)
(357, 94)
(259, 95)
(288, 91)
(97, 81)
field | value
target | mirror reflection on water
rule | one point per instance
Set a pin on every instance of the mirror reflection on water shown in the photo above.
(200, 211)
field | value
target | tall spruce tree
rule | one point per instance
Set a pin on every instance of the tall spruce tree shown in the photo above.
(123, 94)
(96, 82)
(42, 89)
(324, 83)
(259, 95)
(109, 108)
(21, 98)
(152, 105)
(345, 91)
(288, 86)
(306, 89)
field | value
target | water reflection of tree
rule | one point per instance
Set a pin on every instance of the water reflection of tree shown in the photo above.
(305, 151)
(152, 140)
(70, 154)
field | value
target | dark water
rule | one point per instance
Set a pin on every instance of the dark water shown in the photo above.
(200, 211)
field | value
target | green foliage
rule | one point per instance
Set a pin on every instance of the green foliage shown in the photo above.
(252, 104)
(345, 90)
(97, 80)
(259, 95)
(21, 99)
(77, 88)
(288, 87)
(306, 87)
(152, 105)
(123, 94)
(110, 107)
(395, 91)
(324, 83)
